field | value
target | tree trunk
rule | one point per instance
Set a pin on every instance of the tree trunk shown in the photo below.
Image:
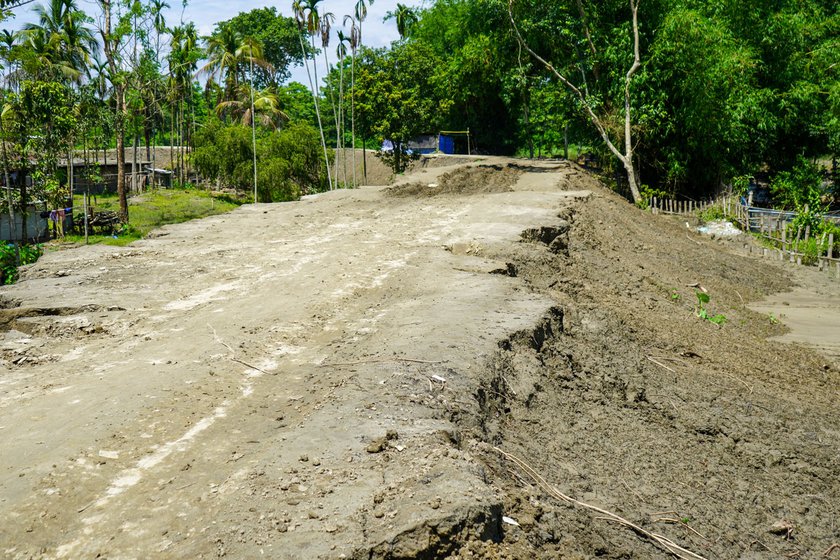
(119, 126)
(147, 134)
(172, 141)
(24, 202)
(315, 101)
(110, 46)
(625, 158)
(134, 141)
(9, 201)
(353, 113)
(566, 142)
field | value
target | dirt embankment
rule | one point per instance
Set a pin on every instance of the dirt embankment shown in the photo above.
(336, 378)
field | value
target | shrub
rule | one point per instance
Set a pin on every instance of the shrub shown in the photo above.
(799, 187)
(8, 260)
(289, 161)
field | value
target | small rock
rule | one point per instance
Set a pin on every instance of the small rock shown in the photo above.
(510, 521)
(304, 458)
(782, 527)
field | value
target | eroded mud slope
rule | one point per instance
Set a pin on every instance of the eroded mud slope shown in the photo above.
(722, 441)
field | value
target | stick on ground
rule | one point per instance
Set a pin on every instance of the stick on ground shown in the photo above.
(663, 542)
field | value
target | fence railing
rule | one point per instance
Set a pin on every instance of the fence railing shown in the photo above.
(659, 205)
(771, 225)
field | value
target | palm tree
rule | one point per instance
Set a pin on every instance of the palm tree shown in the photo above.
(341, 52)
(8, 42)
(60, 44)
(266, 110)
(183, 59)
(353, 40)
(7, 113)
(306, 16)
(361, 15)
(250, 46)
(325, 28)
(405, 17)
(222, 59)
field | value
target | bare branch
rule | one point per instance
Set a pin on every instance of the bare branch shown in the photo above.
(596, 121)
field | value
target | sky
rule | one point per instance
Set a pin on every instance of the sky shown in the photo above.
(206, 13)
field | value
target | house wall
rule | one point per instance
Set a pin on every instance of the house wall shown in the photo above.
(38, 229)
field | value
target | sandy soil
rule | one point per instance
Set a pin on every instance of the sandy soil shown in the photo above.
(332, 378)
(811, 310)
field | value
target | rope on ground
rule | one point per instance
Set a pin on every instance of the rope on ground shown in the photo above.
(665, 543)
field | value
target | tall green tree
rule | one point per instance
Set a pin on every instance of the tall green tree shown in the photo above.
(401, 93)
(279, 36)
(405, 17)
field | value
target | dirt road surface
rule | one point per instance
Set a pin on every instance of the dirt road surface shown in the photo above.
(334, 378)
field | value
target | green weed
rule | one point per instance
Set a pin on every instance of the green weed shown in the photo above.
(701, 311)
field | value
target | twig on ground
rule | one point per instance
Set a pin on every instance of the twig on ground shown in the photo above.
(232, 356)
(381, 361)
(758, 542)
(660, 364)
(742, 382)
(679, 522)
(83, 508)
(633, 491)
(671, 359)
(665, 543)
(831, 549)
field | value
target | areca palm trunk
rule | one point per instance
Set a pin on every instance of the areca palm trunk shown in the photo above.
(335, 116)
(315, 97)
(353, 113)
(317, 110)
(341, 115)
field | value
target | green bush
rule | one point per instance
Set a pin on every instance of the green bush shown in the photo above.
(811, 251)
(799, 187)
(8, 260)
(712, 214)
(289, 161)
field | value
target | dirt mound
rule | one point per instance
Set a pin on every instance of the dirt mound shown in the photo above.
(625, 399)
(470, 180)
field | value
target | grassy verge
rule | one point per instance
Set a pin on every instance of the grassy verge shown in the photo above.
(154, 209)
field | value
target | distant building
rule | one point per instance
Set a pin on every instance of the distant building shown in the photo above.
(426, 144)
